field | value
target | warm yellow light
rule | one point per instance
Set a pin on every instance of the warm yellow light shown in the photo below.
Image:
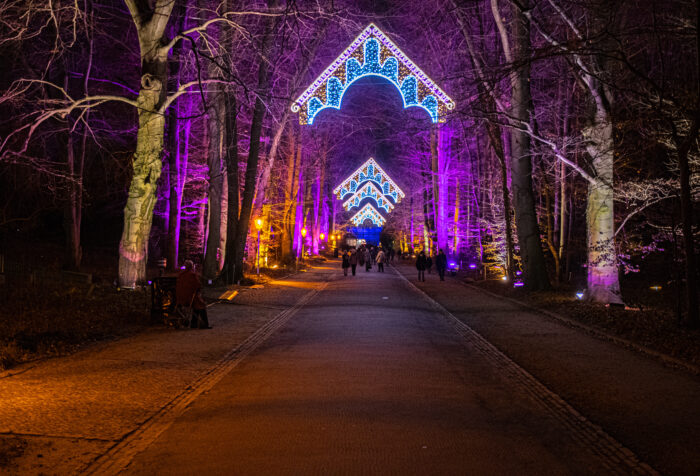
(323, 237)
(303, 232)
(259, 223)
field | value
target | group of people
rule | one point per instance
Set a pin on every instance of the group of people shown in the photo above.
(365, 256)
(425, 262)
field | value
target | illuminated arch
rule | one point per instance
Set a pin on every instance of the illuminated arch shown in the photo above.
(368, 212)
(369, 190)
(369, 171)
(379, 56)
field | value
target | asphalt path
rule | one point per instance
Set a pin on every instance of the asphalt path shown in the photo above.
(371, 377)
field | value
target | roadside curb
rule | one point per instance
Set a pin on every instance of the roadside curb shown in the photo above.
(664, 358)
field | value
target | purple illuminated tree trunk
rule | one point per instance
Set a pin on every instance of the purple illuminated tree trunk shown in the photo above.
(177, 167)
(289, 213)
(251, 171)
(231, 121)
(440, 151)
(216, 241)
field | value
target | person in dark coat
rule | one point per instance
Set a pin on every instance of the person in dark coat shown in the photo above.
(188, 292)
(361, 256)
(428, 263)
(368, 260)
(441, 264)
(353, 260)
(346, 262)
(421, 263)
(381, 259)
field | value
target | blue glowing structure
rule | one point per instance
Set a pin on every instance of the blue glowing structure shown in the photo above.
(369, 171)
(368, 212)
(379, 56)
(369, 190)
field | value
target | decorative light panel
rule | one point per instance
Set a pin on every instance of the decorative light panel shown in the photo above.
(379, 56)
(369, 190)
(368, 212)
(369, 171)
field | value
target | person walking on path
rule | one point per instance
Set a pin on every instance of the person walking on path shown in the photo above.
(361, 256)
(381, 258)
(441, 264)
(421, 263)
(429, 263)
(346, 262)
(368, 260)
(353, 260)
(188, 292)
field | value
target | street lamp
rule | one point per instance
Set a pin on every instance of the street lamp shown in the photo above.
(303, 239)
(258, 225)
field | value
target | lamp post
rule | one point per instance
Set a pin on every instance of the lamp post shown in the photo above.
(258, 225)
(303, 240)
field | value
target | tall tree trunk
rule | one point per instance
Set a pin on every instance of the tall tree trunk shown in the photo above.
(289, 194)
(534, 269)
(231, 120)
(497, 145)
(138, 213)
(692, 319)
(214, 255)
(177, 167)
(251, 171)
(603, 280)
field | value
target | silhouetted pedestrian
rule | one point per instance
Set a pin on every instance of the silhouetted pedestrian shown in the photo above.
(346, 262)
(368, 260)
(353, 261)
(421, 263)
(441, 264)
(429, 264)
(381, 258)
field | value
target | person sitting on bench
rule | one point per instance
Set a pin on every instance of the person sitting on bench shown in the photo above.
(188, 292)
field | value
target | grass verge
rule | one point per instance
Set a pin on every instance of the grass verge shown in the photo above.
(38, 321)
(656, 328)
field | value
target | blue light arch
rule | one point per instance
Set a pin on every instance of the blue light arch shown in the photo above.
(380, 57)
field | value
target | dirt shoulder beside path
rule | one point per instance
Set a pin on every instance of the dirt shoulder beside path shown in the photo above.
(59, 415)
(648, 407)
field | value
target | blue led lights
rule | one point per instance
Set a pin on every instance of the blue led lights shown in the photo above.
(371, 191)
(368, 212)
(369, 171)
(416, 88)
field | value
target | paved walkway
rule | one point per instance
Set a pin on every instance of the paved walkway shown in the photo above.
(360, 375)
